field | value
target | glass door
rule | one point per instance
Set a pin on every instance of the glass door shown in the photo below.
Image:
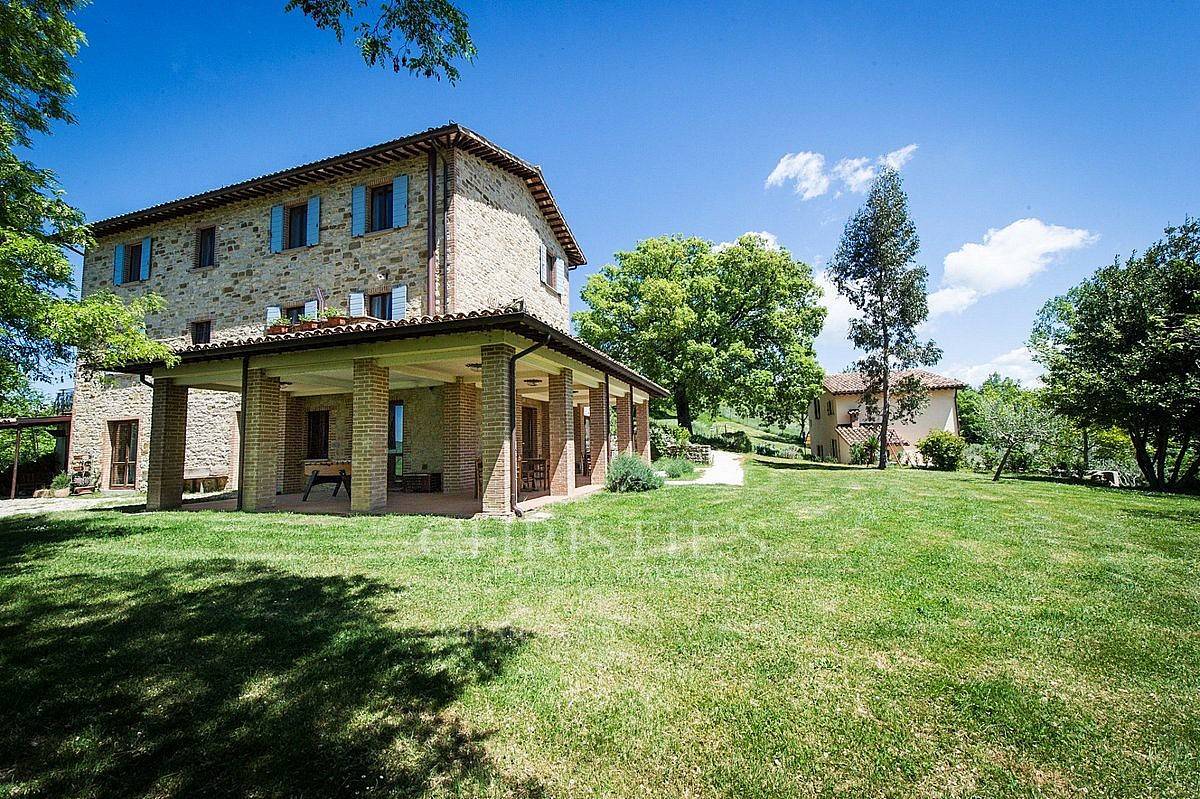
(124, 454)
(395, 442)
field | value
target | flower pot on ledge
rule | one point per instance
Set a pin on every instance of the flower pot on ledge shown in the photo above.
(334, 321)
(303, 326)
(278, 329)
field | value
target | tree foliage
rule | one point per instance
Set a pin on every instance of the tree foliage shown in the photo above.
(875, 269)
(1013, 420)
(716, 325)
(42, 324)
(1123, 349)
(425, 37)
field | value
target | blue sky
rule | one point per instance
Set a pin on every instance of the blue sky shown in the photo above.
(1078, 123)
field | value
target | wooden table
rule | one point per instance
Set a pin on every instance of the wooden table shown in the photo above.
(336, 472)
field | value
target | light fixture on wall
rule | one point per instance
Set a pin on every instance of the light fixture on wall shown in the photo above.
(533, 381)
(475, 366)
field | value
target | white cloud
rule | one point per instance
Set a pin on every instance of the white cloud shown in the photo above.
(1016, 363)
(1005, 259)
(856, 173)
(806, 170)
(769, 240)
(839, 311)
(896, 159)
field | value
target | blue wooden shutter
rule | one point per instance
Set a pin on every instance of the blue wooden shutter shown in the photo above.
(543, 264)
(356, 306)
(273, 313)
(310, 308)
(119, 264)
(560, 275)
(277, 228)
(314, 220)
(400, 201)
(144, 273)
(358, 210)
(400, 302)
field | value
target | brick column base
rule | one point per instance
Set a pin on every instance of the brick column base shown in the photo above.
(368, 450)
(598, 434)
(261, 469)
(641, 434)
(562, 433)
(495, 432)
(168, 440)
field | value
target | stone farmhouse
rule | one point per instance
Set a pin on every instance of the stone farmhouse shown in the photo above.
(838, 419)
(449, 383)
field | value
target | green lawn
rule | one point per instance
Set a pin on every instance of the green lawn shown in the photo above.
(822, 631)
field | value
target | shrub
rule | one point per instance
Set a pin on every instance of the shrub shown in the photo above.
(61, 480)
(865, 453)
(943, 449)
(777, 451)
(676, 467)
(660, 440)
(737, 441)
(628, 472)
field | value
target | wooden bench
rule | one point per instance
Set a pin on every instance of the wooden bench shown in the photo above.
(197, 480)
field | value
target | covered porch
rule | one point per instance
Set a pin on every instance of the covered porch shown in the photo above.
(463, 415)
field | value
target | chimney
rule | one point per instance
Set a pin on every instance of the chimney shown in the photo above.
(853, 417)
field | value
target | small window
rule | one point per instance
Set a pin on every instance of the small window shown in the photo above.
(548, 276)
(829, 407)
(820, 451)
(202, 331)
(817, 407)
(318, 434)
(206, 247)
(293, 313)
(381, 208)
(380, 306)
(297, 227)
(833, 447)
(132, 270)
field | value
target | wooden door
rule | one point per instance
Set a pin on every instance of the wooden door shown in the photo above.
(123, 467)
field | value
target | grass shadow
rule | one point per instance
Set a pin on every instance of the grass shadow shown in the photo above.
(222, 679)
(803, 466)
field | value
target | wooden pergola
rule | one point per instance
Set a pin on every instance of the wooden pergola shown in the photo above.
(60, 427)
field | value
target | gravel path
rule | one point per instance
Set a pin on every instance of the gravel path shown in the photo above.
(726, 470)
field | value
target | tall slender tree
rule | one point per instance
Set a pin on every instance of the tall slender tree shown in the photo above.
(875, 269)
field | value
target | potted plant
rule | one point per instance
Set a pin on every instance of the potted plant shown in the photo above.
(278, 326)
(306, 322)
(60, 486)
(333, 316)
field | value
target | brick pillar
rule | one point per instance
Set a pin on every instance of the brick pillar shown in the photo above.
(641, 443)
(495, 433)
(580, 444)
(598, 438)
(624, 422)
(293, 445)
(562, 433)
(260, 471)
(168, 437)
(369, 430)
(460, 436)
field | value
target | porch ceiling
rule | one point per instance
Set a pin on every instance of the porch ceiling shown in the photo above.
(412, 363)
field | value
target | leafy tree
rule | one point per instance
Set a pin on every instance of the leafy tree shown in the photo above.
(874, 268)
(1123, 349)
(715, 325)
(424, 37)
(970, 422)
(41, 323)
(1012, 422)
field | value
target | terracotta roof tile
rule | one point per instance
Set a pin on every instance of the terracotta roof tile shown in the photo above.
(860, 434)
(852, 382)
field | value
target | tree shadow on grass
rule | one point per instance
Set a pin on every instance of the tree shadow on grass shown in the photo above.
(222, 679)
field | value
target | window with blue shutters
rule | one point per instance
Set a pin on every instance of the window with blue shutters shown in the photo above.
(381, 306)
(381, 207)
(131, 262)
(297, 227)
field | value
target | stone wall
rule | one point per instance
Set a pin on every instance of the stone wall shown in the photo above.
(498, 230)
